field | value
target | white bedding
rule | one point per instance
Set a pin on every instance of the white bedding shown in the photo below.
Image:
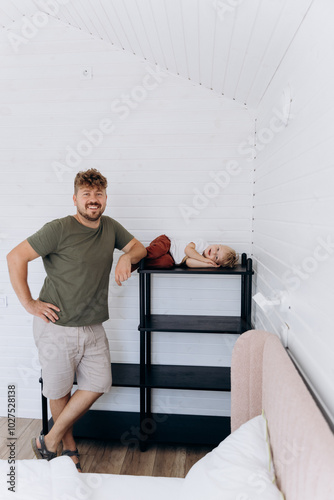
(240, 468)
(60, 480)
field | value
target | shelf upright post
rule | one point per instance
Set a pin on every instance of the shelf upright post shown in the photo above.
(148, 334)
(147, 315)
(142, 324)
(249, 269)
(243, 285)
(45, 423)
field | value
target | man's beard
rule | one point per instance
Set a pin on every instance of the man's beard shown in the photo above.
(93, 218)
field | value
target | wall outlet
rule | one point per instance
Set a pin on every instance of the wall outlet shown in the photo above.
(3, 300)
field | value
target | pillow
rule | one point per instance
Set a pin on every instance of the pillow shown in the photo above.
(240, 468)
(40, 480)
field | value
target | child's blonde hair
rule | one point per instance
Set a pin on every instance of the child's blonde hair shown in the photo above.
(231, 258)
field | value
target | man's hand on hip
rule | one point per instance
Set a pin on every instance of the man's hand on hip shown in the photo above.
(43, 310)
(123, 269)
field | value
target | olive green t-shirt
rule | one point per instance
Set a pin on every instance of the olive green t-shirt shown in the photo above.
(77, 260)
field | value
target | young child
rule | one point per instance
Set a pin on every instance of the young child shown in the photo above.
(164, 252)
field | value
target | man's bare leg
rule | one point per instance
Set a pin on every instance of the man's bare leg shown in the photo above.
(57, 406)
(76, 406)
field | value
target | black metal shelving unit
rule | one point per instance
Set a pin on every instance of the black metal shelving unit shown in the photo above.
(137, 428)
(187, 428)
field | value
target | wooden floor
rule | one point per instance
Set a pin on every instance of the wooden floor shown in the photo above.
(110, 457)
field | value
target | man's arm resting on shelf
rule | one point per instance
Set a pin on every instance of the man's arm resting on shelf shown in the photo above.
(134, 251)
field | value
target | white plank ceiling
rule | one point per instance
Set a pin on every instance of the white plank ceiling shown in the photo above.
(233, 47)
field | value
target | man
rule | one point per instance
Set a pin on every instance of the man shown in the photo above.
(77, 253)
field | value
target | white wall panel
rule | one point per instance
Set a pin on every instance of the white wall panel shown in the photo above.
(294, 205)
(158, 158)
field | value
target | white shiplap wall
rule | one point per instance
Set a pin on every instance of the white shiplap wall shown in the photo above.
(156, 159)
(233, 47)
(294, 205)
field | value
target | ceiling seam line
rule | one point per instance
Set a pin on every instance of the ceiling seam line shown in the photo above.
(291, 42)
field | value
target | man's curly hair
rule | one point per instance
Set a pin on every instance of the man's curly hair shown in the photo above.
(91, 178)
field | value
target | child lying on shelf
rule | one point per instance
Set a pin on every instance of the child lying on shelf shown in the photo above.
(164, 252)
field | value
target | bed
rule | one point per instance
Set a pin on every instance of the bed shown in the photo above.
(280, 446)
(302, 443)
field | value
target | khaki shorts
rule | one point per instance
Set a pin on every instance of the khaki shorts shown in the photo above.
(66, 350)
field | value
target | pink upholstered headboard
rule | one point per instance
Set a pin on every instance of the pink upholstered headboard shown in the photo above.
(264, 377)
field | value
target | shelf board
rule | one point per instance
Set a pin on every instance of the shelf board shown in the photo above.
(237, 270)
(104, 424)
(164, 428)
(205, 378)
(125, 374)
(194, 324)
(190, 429)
